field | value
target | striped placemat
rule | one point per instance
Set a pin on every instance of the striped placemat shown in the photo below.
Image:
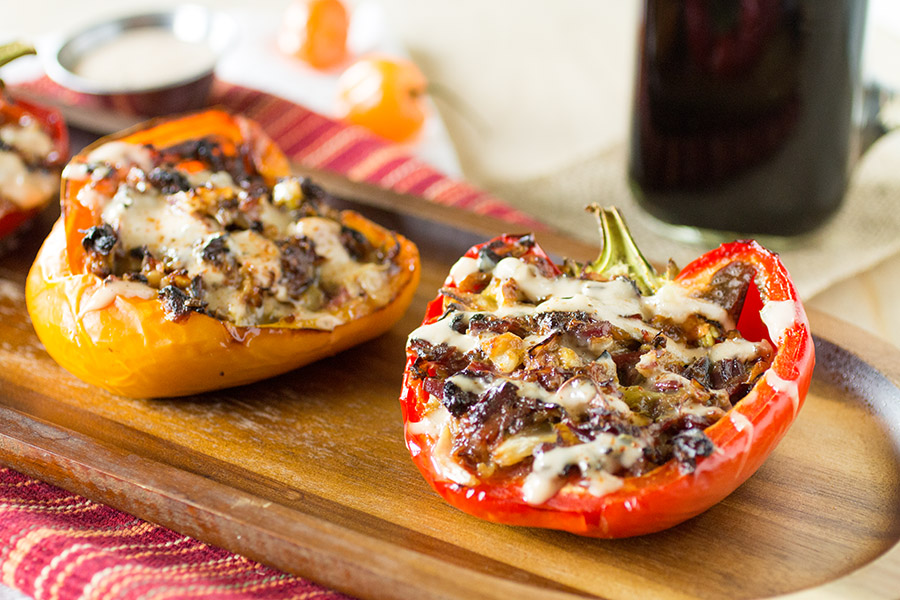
(58, 545)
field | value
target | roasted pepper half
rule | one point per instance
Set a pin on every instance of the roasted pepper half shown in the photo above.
(603, 399)
(34, 145)
(188, 259)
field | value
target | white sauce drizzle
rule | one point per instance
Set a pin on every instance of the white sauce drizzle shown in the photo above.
(430, 424)
(462, 268)
(674, 301)
(439, 332)
(615, 301)
(740, 349)
(596, 460)
(473, 385)
(534, 285)
(778, 316)
(789, 387)
(120, 154)
(742, 424)
(575, 395)
(176, 229)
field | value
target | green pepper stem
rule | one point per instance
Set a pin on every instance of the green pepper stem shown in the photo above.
(13, 50)
(620, 256)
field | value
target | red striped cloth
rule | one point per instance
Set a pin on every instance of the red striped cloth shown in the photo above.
(315, 141)
(57, 545)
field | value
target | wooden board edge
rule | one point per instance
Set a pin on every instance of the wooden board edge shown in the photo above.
(327, 553)
(881, 354)
(879, 578)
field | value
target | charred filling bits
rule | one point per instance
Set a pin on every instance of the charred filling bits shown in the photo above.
(662, 390)
(99, 239)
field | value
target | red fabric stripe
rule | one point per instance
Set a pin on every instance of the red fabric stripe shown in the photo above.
(383, 169)
(305, 137)
(59, 545)
(352, 155)
(423, 184)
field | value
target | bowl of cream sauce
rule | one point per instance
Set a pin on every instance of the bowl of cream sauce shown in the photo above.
(148, 64)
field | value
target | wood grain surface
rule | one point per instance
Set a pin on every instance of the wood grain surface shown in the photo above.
(308, 472)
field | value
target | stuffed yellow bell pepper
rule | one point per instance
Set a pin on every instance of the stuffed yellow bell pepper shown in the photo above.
(187, 258)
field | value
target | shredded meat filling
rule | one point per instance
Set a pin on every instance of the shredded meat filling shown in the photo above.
(245, 234)
(562, 378)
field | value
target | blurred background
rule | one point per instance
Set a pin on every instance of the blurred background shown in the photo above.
(532, 103)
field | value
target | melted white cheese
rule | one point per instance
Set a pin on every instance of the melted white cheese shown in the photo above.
(245, 285)
(518, 447)
(30, 139)
(462, 268)
(436, 425)
(359, 278)
(107, 292)
(121, 154)
(575, 395)
(75, 171)
(146, 219)
(616, 301)
(674, 301)
(430, 424)
(596, 460)
(739, 349)
(778, 316)
(439, 332)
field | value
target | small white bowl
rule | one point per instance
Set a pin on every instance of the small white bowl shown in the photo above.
(146, 64)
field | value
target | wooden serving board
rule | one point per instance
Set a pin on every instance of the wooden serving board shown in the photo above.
(308, 472)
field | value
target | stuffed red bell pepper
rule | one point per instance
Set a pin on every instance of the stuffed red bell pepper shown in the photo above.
(603, 399)
(34, 145)
(187, 259)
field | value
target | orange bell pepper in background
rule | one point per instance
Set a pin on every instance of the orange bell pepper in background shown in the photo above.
(666, 495)
(130, 346)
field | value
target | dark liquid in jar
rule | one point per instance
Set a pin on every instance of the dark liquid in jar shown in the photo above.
(743, 112)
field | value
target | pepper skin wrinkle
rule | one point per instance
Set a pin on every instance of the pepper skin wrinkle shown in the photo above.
(604, 487)
(154, 329)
